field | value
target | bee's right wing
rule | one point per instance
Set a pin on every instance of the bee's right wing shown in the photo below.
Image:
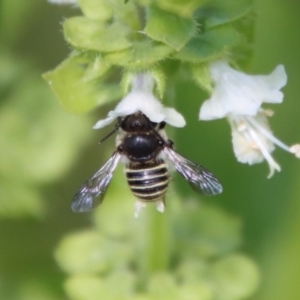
(199, 178)
(92, 192)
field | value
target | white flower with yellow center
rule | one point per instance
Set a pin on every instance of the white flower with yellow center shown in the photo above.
(238, 97)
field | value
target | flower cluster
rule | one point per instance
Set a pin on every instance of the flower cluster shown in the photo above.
(102, 41)
(236, 96)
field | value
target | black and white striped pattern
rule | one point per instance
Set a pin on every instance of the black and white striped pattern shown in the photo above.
(148, 182)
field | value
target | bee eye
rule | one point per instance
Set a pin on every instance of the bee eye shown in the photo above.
(120, 148)
(160, 143)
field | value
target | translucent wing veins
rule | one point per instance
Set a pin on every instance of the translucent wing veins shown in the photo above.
(92, 192)
(197, 176)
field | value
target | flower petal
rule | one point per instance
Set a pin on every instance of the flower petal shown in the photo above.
(140, 101)
(103, 123)
(146, 103)
(277, 79)
(237, 93)
(173, 117)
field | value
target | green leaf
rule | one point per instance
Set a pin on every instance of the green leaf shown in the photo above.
(141, 56)
(87, 34)
(74, 92)
(192, 270)
(231, 278)
(169, 28)
(242, 52)
(97, 68)
(184, 8)
(219, 12)
(106, 10)
(208, 45)
(241, 16)
(235, 277)
(95, 9)
(86, 287)
(201, 75)
(90, 252)
(162, 286)
(125, 13)
(207, 232)
(119, 285)
(195, 291)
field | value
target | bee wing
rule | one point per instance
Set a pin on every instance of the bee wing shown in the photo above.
(92, 192)
(198, 177)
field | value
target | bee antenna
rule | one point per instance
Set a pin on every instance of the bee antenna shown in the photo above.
(110, 134)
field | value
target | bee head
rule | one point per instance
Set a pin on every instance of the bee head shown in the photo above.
(136, 122)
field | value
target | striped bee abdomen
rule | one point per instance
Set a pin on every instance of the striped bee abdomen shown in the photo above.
(148, 182)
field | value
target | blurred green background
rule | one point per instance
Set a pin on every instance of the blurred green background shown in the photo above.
(47, 153)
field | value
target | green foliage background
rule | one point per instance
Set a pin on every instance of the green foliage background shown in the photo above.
(46, 153)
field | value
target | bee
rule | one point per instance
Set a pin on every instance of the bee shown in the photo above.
(145, 149)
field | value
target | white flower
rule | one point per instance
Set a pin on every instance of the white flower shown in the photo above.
(239, 97)
(141, 98)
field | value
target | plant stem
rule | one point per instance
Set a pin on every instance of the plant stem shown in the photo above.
(153, 244)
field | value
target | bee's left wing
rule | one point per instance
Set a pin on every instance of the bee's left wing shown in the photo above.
(92, 192)
(199, 178)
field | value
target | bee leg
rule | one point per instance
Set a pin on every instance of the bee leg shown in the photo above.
(138, 206)
(170, 144)
(161, 125)
(160, 205)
